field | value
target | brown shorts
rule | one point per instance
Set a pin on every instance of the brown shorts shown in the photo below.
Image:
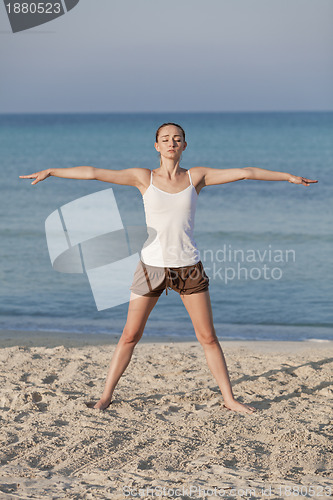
(151, 281)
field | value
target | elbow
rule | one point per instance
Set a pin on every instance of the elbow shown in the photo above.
(245, 173)
(93, 175)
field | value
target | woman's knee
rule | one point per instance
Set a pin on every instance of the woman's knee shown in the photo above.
(207, 337)
(131, 335)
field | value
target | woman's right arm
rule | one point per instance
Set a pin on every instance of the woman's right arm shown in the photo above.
(128, 177)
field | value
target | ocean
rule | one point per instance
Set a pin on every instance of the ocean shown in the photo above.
(266, 246)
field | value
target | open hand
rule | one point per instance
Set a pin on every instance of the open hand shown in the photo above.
(38, 176)
(300, 180)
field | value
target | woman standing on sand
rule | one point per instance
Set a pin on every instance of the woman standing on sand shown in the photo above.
(172, 259)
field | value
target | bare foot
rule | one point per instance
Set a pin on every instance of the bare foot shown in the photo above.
(102, 404)
(236, 406)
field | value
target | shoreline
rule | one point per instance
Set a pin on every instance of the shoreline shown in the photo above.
(27, 338)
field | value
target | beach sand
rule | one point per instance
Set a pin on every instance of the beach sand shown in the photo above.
(167, 426)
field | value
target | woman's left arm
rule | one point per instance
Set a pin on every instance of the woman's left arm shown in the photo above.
(261, 174)
(205, 176)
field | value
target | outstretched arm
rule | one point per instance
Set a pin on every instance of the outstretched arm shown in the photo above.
(210, 176)
(270, 175)
(66, 173)
(128, 177)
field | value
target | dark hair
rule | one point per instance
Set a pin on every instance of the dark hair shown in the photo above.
(166, 124)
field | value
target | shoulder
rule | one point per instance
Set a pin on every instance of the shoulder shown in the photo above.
(142, 173)
(197, 172)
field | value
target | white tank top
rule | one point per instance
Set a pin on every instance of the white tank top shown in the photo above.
(170, 223)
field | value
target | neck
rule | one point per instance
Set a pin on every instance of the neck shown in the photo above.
(169, 167)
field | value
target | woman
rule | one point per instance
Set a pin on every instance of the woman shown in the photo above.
(172, 258)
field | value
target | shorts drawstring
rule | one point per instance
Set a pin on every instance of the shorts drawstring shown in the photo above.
(169, 282)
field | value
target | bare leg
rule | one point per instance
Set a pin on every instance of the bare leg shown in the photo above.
(199, 308)
(138, 312)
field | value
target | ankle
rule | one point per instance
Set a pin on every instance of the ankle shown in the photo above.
(229, 399)
(106, 398)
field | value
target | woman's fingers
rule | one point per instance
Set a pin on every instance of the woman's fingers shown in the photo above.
(38, 176)
(31, 176)
(306, 182)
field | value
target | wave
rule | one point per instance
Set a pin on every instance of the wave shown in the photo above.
(175, 330)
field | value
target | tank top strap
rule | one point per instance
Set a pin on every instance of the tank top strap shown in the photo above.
(151, 177)
(190, 177)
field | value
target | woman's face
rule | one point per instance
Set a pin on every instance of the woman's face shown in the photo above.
(170, 142)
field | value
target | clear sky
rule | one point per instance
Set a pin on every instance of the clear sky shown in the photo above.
(168, 55)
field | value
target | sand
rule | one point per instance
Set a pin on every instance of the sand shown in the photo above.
(167, 433)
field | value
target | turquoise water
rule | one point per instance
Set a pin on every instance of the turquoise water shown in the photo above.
(284, 227)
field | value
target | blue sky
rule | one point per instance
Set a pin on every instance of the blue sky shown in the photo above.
(184, 55)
